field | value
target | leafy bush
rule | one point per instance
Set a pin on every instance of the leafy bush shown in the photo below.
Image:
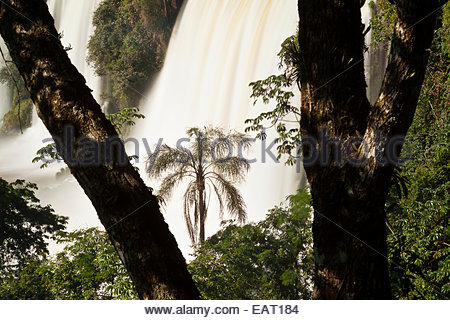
(25, 225)
(271, 259)
(88, 268)
(419, 238)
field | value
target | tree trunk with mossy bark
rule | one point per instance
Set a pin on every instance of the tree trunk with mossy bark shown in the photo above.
(125, 206)
(350, 143)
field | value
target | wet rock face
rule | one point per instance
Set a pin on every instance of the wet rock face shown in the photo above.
(11, 122)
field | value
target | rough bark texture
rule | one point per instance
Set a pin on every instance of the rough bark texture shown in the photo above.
(125, 206)
(349, 220)
(202, 210)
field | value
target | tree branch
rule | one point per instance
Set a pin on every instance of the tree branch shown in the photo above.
(395, 107)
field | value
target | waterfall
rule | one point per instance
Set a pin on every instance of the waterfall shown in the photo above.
(375, 59)
(5, 91)
(217, 48)
(73, 18)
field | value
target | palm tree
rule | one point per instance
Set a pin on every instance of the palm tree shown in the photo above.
(208, 164)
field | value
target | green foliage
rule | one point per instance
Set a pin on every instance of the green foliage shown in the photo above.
(25, 225)
(124, 119)
(11, 121)
(284, 117)
(290, 59)
(207, 165)
(128, 46)
(5, 78)
(271, 259)
(46, 155)
(30, 282)
(383, 23)
(88, 268)
(419, 242)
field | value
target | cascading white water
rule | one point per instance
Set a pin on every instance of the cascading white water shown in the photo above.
(375, 59)
(72, 18)
(218, 48)
(366, 15)
(5, 91)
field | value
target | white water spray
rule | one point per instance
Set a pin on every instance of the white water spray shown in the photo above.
(72, 18)
(5, 91)
(218, 48)
(375, 59)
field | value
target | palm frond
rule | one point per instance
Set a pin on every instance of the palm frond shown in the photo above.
(170, 182)
(190, 200)
(167, 159)
(219, 198)
(233, 168)
(187, 218)
(233, 198)
(215, 142)
(209, 158)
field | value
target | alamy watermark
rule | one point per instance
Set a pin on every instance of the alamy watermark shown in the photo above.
(309, 151)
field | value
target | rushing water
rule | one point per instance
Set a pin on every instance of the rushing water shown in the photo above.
(375, 59)
(73, 19)
(5, 91)
(217, 48)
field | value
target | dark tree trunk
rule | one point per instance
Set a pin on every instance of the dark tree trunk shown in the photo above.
(202, 225)
(202, 208)
(125, 206)
(350, 180)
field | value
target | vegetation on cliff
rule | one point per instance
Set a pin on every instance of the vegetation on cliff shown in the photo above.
(11, 121)
(127, 48)
(129, 45)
